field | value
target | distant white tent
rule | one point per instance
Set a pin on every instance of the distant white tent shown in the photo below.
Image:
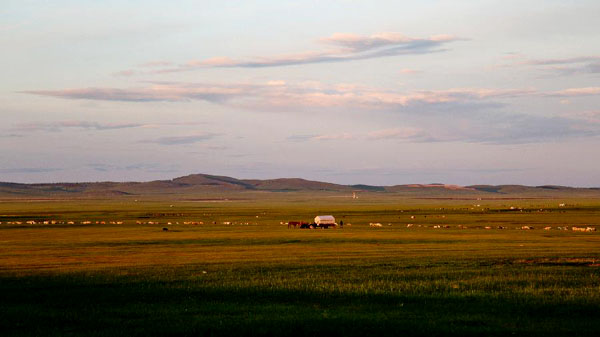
(325, 220)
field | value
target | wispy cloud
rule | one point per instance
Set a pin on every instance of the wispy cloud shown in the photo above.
(464, 113)
(275, 95)
(404, 133)
(180, 140)
(407, 71)
(335, 136)
(342, 47)
(29, 170)
(571, 92)
(58, 126)
(562, 66)
(146, 167)
(486, 128)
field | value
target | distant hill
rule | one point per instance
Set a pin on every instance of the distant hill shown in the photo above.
(201, 184)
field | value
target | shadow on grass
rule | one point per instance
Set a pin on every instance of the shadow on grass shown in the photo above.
(73, 305)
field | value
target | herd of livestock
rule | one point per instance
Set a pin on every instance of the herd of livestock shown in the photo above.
(321, 222)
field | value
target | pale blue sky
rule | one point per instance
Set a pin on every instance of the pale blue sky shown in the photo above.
(375, 92)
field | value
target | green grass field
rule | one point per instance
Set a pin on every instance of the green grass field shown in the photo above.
(257, 277)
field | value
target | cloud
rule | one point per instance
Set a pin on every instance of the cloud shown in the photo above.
(180, 140)
(300, 138)
(485, 128)
(462, 114)
(588, 91)
(591, 117)
(335, 136)
(146, 167)
(343, 48)
(12, 135)
(279, 95)
(407, 71)
(58, 126)
(156, 92)
(29, 170)
(563, 66)
(405, 133)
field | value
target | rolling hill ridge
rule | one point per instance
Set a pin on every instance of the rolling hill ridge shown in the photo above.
(212, 184)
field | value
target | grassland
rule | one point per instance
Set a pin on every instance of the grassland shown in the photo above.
(257, 277)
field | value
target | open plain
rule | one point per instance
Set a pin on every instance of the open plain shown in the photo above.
(228, 264)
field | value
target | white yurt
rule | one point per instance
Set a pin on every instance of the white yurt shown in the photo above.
(325, 220)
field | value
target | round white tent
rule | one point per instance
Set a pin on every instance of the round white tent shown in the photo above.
(325, 220)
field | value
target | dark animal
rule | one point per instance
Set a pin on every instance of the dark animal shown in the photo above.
(165, 229)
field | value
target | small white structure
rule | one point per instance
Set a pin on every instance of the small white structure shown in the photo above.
(325, 220)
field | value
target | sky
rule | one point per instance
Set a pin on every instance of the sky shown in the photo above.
(344, 91)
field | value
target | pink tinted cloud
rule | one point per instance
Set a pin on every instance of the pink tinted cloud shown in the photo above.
(343, 47)
(587, 91)
(408, 71)
(397, 133)
(280, 95)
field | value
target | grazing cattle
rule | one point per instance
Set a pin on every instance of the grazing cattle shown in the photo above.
(526, 227)
(409, 225)
(375, 224)
(165, 229)
(590, 229)
(291, 224)
(547, 228)
(488, 227)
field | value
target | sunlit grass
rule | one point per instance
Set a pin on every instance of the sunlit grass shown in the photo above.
(265, 279)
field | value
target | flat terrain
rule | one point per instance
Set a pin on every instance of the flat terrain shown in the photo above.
(244, 272)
